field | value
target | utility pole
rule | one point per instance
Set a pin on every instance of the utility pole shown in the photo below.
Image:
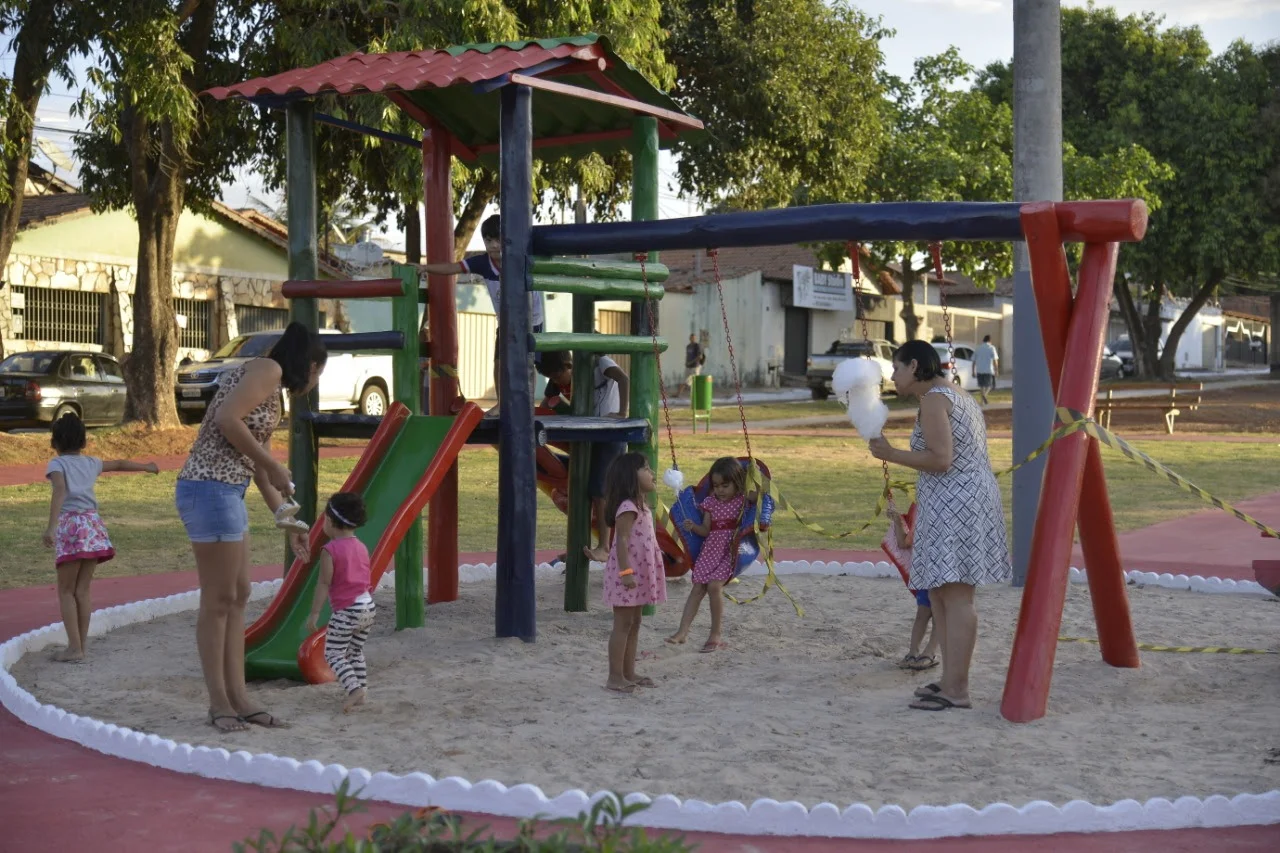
(1037, 176)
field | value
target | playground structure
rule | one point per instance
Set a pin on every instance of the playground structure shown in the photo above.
(625, 111)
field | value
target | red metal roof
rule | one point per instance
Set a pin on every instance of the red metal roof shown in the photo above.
(441, 84)
(375, 73)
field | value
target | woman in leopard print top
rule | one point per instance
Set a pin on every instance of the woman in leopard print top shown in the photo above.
(232, 448)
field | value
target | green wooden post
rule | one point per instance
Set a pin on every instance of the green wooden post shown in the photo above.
(645, 391)
(303, 265)
(411, 611)
(576, 563)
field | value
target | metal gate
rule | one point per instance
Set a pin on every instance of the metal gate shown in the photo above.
(615, 323)
(476, 336)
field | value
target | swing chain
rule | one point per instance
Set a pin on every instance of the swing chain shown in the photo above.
(866, 336)
(643, 257)
(733, 360)
(935, 249)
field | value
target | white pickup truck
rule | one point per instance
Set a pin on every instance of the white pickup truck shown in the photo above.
(821, 366)
(350, 380)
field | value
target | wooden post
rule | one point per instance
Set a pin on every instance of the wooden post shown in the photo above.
(515, 606)
(645, 391)
(442, 308)
(1026, 693)
(577, 565)
(410, 605)
(304, 450)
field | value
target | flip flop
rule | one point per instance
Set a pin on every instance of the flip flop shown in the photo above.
(928, 691)
(645, 681)
(937, 703)
(271, 721)
(213, 721)
(923, 662)
(908, 662)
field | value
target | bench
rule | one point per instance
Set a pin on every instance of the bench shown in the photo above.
(1173, 399)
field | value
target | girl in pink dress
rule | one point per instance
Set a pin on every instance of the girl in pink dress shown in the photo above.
(721, 516)
(633, 575)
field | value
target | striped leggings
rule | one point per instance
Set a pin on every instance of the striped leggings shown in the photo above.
(344, 643)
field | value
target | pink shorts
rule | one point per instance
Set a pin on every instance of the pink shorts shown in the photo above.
(81, 536)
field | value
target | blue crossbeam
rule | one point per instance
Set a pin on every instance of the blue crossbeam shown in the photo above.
(361, 341)
(904, 221)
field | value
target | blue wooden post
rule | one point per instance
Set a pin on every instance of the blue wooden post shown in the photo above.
(515, 611)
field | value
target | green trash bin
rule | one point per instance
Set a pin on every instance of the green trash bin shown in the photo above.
(701, 401)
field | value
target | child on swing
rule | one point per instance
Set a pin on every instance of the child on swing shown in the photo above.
(721, 515)
(633, 574)
(897, 544)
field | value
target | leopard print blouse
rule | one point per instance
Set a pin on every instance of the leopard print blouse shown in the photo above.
(212, 456)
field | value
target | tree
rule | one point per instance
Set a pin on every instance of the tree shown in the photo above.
(49, 34)
(154, 148)
(1128, 81)
(945, 143)
(789, 94)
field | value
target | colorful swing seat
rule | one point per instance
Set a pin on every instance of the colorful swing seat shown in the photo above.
(745, 543)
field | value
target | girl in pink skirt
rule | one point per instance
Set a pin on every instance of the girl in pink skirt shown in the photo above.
(75, 531)
(634, 574)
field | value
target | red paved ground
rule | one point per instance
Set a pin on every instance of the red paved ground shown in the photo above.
(59, 796)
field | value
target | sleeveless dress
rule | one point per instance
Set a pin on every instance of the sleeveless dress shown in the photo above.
(960, 534)
(716, 562)
(645, 558)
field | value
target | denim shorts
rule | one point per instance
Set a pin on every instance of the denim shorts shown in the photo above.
(212, 511)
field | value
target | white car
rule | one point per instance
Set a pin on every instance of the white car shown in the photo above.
(965, 377)
(350, 380)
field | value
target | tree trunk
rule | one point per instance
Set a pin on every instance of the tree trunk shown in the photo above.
(909, 299)
(412, 234)
(1138, 324)
(1274, 335)
(1168, 359)
(485, 190)
(31, 67)
(1147, 358)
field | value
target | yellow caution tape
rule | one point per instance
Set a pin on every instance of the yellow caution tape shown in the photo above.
(446, 371)
(1208, 650)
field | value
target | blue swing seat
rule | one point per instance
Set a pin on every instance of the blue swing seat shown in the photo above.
(745, 542)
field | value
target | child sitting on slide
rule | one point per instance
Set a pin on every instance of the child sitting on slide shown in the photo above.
(897, 544)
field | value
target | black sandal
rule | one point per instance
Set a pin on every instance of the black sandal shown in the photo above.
(928, 691)
(213, 721)
(271, 723)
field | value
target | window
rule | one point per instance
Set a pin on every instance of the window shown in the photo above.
(110, 369)
(253, 318)
(193, 322)
(79, 366)
(66, 316)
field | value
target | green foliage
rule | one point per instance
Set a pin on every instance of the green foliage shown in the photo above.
(788, 92)
(598, 830)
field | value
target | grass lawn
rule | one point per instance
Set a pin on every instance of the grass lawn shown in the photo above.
(834, 481)
(800, 409)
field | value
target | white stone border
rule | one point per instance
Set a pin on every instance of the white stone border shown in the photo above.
(762, 817)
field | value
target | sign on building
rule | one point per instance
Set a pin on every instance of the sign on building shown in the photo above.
(821, 290)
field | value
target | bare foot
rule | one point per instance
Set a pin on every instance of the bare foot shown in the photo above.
(69, 656)
(714, 646)
(598, 554)
(354, 698)
(677, 639)
(642, 681)
(623, 687)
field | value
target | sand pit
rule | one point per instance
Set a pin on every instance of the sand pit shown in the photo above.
(808, 709)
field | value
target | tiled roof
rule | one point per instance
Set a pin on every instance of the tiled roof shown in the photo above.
(441, 84)
(1253, 307)
(773, 262)
(43, 209)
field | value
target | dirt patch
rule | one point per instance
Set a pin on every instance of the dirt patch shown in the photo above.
(1248, 409)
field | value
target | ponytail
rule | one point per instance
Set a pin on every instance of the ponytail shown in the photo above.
(296, 351)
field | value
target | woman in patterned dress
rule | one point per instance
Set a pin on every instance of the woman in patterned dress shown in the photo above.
(232, 448)
(960, 538)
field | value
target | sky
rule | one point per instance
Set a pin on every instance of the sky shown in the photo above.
(981, 29)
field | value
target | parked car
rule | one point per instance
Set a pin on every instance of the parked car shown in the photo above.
(821, 366)
(1112, 366)
(350, 380)
(1122, 347)
(965, 377)
(38, 387)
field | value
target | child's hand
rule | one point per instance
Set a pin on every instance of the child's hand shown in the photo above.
(629, 581)
(47, 538)
(153, 468)
(301, 547)
(311, 624)
(687, 524)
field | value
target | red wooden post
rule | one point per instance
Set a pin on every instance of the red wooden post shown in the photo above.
(1098, 540)
(1026, 693)
(442, 517)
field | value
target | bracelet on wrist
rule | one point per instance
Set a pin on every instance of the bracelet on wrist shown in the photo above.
(626, 572)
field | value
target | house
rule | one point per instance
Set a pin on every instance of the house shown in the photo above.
(1246, 326)
(69, 280)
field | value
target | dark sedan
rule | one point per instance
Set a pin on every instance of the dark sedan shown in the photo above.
(37, 388)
